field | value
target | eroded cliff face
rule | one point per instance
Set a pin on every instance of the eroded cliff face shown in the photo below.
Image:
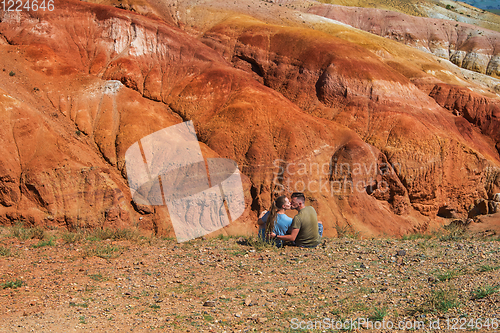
(295, 108)
(351, 86)
(479, 110)
(466, 45)
(68, 121)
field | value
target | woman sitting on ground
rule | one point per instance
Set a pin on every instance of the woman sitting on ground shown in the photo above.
(275, 220)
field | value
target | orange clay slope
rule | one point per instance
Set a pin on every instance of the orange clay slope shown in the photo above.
(273, 98)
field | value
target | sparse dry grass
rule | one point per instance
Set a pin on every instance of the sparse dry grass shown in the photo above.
(21, 232)
(104, 251)
(5, 251)
(248, 285)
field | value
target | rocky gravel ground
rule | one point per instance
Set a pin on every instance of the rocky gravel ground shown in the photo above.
(54, 282)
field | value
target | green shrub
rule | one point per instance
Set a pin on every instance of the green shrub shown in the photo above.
(103, 251)
(378, 314)
(20, 232)
(448, 275)
(5, 252)
(416, 236)
(485, 291)
(106, 233)
(346, 231)
(439, 300)
(257, 243)
(98, 277)
(42, 243)
(12, 284)
(71, 237)
(454, 233)
(487, 268)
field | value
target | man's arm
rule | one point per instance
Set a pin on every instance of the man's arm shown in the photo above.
(290, 237)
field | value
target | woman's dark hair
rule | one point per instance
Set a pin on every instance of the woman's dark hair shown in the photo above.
(273, 213)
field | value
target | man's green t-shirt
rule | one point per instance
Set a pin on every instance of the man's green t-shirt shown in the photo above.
(307, 223)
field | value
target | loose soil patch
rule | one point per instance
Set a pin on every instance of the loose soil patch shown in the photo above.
(233, 285)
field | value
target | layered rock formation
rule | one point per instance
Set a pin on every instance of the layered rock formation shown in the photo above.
(296, 109)
(69, 123)
(465, 45)
(351, 86)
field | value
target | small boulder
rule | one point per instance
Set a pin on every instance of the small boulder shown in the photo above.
(493, 207)
(496, 197)
(480, 208)
(447, 212)
(457, 224)
(209, 303)
(290, 291)
(401, 253)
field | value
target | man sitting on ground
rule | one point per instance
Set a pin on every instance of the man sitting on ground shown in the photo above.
(304, 230)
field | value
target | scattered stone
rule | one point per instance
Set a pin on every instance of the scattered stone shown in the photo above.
(290, 291)
(480, 208)
(432, 279)
(493, 207)
(447, 212)
(224, 296)
(209, 303)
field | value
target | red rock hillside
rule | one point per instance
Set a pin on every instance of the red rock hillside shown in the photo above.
(376, 147)
(465, 45)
